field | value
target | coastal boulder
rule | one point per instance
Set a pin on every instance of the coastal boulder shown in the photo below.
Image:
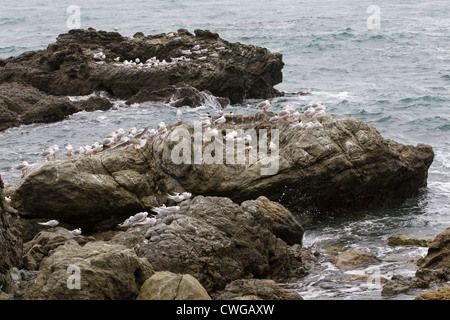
(95, 271)
(408, 240)
(354, 258)
(169, 286)
(433, 269)
(217, 241)
(260, 288)
(82, 62)
(343, 165)
(45, 242)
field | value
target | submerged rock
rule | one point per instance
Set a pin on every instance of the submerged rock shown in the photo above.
(433, 269)
(353, 258)
(258, 289)
(409, 240)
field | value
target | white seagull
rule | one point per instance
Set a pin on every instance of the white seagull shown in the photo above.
(69, 150)
(50, 223)
(132, 220)
(220, 120)
(166, 210)
(263, 105)
(22, 167)
(76, 232)
(179, 115)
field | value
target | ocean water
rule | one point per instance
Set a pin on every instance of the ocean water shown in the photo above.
(395, 77)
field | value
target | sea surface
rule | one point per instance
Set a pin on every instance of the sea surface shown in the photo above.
(388, 67)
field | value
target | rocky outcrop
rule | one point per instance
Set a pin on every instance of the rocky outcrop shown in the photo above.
(354, 258)
(22, 104)
(439, 294)
(433, 269)
(259, 289)
(43, 244)
(81, 62)
(10, 235)
(343, 165)
(95, 271)
(218, 241)
(169, 286)
(408, 240)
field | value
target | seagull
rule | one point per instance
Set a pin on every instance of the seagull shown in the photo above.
(179, 115)
(51, 223)
(205, 124)
(283, 114)
(119, 134)
(98, 147)
(76, 232)
(186, 195)
(116, 29)
(8, 199)
(319, 114)
(162, 127)
(147, 221)
(310, 112)
(80, 151)
(22, 167)
(69, 150)
(47, 153)
(88, 151)
(176, 197)
(264, 105)
(55, 150)
(165, 210)
(108, 142)
(137, 142)
(274, 119)
(299, 125)
(138, 217)
(220, 120)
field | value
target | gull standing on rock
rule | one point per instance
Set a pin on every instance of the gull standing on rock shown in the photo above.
(263, 105)
(22, 167)
(69, 150)
(220, 120)
(179, 116)
(48, 154)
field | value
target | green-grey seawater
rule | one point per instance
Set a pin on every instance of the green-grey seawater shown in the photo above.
(396, 78)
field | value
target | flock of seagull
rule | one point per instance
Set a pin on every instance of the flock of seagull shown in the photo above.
(142, 219)
(117, 140)
(138, 138)
(196, 52)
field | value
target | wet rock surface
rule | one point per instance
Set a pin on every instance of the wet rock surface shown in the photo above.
(343, 165)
